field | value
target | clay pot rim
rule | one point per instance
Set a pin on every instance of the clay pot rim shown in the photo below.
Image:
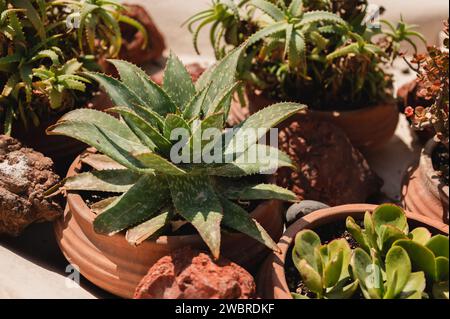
(75, 201)
(380, 104)
(276, 262)
(428, 171)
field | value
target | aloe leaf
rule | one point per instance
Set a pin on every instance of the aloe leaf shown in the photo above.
(223, 103)
(198, 140)
(321, 16)
(220, 76)
(178, 82)
(104, 141)
(439, 245)
(135, 236)
(295, 7)
(235, 217)
(259, 192)
(258, 159)
(260, 123)
(139, 203)
(114, 181)
(269, 8)
(174, 122)
(120, 94)
(267, 31)
(421, 257)
(157, 163)
(32, 15)
(398, 270)
(194, 107)
(100, 162)
(149, 92)
(148, 134)
(195, 200)
(100, 206)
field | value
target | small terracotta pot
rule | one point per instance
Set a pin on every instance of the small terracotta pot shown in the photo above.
(422, 191)
(61, 149)
(367, 128)
(272, 282)
(116, 266)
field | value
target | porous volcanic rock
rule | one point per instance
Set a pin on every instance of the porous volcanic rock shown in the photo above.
(24, 177)
(188, 274)
(330, 169)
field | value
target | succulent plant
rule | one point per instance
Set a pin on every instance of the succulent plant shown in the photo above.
(40, 63)
(324, 268)
(300, 47)
(155, 188)
(389, 252)
(390, 263)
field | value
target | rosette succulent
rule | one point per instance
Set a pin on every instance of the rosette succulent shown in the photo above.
(161, 145)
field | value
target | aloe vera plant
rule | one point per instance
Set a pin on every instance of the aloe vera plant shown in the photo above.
(40, 63)
(390, 261)
(324, 268)
(154, 188)
(299, 47)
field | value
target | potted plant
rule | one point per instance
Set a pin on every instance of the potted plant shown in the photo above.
(44, 47)
(425, 190)
(359, 251)
(161, 192)
(322, 53)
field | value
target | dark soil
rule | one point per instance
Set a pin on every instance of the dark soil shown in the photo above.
(327, 233)
(440, 159)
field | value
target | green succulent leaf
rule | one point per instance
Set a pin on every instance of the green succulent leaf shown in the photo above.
(387, 236)
(157, 163)
(442, 266)
(421, 257)
(269, 8)
(389, 214)
(420, 235)
(367, 273)
(113, 181)
(238, 219)
(135, 236)
(439, 246)
(178, 83)
(174, 122)
(414, 287)
(343, 289)
(310, 277)
(398, 270)
(195, 200)
(153, 96)
(140, 203)
(332, 270)
(259, 192)
(306, 244)
(357, 233)
(267, 32)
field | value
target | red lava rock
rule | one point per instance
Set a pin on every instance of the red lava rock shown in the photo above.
(24, 177)
(330, 169)
(133, 41)
(188, 274)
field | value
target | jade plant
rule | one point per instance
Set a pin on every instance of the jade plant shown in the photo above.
(389, 262)
(324, 268)
(157, 182)
(44, 45)
(300, 47)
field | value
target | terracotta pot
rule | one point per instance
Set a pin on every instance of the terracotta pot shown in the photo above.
(116, 266)
(367, 128)
(422, 191)
(62, 150)
(272, 282)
